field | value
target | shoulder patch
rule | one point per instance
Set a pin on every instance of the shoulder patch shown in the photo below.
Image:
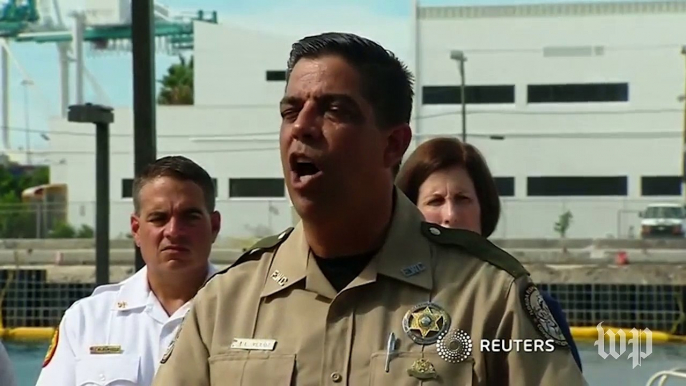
(52, 348)
(538, 312)
(256, 250)
(476, 245)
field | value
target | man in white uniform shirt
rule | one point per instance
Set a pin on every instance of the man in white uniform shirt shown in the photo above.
(119, 334)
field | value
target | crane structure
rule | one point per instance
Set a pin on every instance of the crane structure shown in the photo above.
(104, 24)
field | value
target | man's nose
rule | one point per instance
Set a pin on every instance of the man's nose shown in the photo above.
(308, 124)
(174, 228)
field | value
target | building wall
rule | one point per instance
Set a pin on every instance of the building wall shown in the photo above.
(189, 131)
(550, 44)
(232, 130)
(231, 65)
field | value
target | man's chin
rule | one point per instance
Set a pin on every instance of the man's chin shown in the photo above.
(313, 209)
(176, 261)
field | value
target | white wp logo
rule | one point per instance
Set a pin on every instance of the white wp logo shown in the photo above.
(614, 338)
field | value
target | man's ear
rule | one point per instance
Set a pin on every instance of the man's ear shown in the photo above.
(135, 226)
(397, 142)
(216, 223)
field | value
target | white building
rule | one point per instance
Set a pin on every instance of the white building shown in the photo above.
(575, 106)
(585, 96)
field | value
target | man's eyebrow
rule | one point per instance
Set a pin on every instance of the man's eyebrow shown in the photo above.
(194, 210)
(290, 100)
(345, 98)
(293, 100)
(157, 212)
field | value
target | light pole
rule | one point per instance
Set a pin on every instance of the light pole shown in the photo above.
(27, 119)
(461, 58)
(102, 117)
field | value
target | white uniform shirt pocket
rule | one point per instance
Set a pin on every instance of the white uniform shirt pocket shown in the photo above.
(107, 370)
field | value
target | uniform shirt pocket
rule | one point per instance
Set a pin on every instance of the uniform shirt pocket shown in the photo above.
(107, 370)
(251, 368)
(453, 374)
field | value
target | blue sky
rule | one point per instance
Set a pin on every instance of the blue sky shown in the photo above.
(378, 19)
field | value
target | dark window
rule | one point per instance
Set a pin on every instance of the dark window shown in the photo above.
(577, 93)
(256, 187)
(577, 186)
(127, 187)
(450, 95)
(505, 186)
(660, 186)
(276, 76)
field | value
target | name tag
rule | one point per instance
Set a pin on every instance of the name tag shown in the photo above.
(106, 349)
(253, 344)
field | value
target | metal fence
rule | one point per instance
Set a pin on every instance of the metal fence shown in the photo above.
(30, 298)
(245, 218)
(32, 220)
(535, 217)
(658, 307)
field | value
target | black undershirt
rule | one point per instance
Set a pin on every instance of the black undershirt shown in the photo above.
(340, 271)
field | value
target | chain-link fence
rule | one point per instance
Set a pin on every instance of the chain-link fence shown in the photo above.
(594, 218)
(33, 220)
(658, 307)
(245, 218)
(36, 299)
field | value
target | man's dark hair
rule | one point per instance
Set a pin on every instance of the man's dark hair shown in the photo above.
(180, 168)
(396, 170)
(385, 81)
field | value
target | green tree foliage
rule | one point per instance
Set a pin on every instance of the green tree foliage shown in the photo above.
(66, 231)
(562, 226)
(20, 220)
(17, 220)
(177, 84)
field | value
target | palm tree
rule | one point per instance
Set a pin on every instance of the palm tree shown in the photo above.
(177, 84)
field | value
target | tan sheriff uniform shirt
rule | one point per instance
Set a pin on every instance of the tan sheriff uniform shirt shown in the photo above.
(274, 319)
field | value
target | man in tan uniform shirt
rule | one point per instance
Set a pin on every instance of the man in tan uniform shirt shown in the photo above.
(362, 291)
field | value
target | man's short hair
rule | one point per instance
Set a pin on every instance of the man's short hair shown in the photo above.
(385, 81)
(396, 170)
(179, 168)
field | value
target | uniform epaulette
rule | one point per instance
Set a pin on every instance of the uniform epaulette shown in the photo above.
(256, 250)
(106, 288)
(475, 245)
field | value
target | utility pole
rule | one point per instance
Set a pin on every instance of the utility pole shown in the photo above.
(683, 140)
(144, 124)
(27, 120)
(461, 58)
(5, 71)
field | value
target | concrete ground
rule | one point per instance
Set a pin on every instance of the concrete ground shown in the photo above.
(635, 273)
(671, 274)
(585, 261)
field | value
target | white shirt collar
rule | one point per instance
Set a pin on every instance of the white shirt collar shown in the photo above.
(135, 291)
